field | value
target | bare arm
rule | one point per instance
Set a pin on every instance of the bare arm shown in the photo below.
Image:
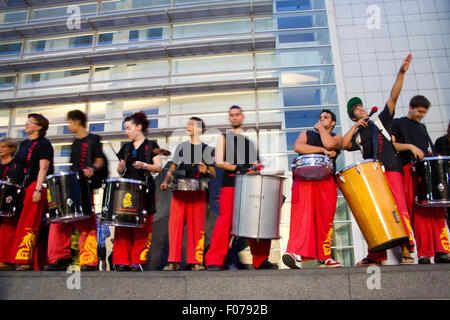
(44, 164)
(397, 88)
(347, 139)
(416, 152)
(328, 141)
(220, 156)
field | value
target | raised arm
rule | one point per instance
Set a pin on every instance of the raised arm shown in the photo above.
(397, 88)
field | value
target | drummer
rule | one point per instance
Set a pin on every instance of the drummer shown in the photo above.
(137, 159)
(220, 239)
(314, 201)
(411, 139)
(194, 159)
(86, 158)
(368, 137)
(33, 161)
(8, 148)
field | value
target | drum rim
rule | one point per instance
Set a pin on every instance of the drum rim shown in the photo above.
(62, 173)
(434, 158)
(125, 180)
(357, 163)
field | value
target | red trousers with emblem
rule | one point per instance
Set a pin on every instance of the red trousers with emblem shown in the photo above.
(220, 239)
(24, 243)
(187, 207)
(313, 207)
(428, 223)
(395, 181)
(59, 239)
(131, 245)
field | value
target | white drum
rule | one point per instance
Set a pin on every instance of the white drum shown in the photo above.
(257, 206)
(312, 166)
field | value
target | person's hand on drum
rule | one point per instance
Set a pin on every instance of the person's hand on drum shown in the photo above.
(329, 153)
(139, 165)
(202, 168)
(121, 166)
(88, 172)
(416, 152)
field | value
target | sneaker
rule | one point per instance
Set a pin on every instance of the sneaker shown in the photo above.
(267, 265)
(136, 268)
(197, 267)
(424, 260)
(7, 266)
(88, 268)
(122, 267)
(292, 260)
(329, 263)
(60, 265)
(213, 267)
(441, 257)
(172, 266)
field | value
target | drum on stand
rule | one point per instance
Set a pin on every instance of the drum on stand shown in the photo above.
(123, 203)
(179, 183)
(68, 198)
(432, 176)
(11, 199)
(370, 199)
(312, 167)
(257, 206)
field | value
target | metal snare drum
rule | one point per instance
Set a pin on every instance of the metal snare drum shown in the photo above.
(123, 203)
(68, 198)
(11, 199)
(432, 175)
(312, 167)
(370, 199)
(178, 183)
(257, 206)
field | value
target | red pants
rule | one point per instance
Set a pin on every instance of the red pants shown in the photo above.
(59, 239)
(131, 245)
(26, 234)
(312, 213)
(428, 224)
(189, 207)
(395, 181)
(218, 249)
(8, 228)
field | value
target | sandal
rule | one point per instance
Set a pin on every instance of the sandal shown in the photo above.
(367, 262)
(407, 260)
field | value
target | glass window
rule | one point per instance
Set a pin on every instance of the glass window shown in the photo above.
(211, 28)
(7, 82)
(4, 117)
(54, 78)
(62, 12)
(293, 58)
(10, 48)
(54, 113)
(133, 36)
(342, 234)
(297, 5)
(118, 5)
(301, 77)
(13, 17)
(304, 20)
(306, 118)
(141, 69)
(212, 63)
(212, 102)
(58, 43)
(305, 38)
(309, 96)
(343, 256)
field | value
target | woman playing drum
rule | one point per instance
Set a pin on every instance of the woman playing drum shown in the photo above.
(137, 159)
(8, 148)
(189, 206)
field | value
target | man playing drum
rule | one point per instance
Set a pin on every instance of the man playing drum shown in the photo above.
(195, 158)
(86, 157)
(314, 201)
(411, 139)
(220, 239)
(373, 139)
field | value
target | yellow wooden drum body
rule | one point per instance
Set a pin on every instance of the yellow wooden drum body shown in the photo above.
(370, 199)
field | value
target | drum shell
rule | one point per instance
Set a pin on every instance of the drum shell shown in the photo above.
(123, 203)
(312, 167)
(257, 206)
(432, 178)
(370, 199)
(68, 198)
(11, 199)
(187, 184)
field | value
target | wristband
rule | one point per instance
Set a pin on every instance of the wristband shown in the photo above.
(38, 190)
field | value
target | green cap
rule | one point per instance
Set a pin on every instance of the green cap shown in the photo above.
(351, 102)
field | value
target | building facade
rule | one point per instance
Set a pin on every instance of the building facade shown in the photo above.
(281, 61)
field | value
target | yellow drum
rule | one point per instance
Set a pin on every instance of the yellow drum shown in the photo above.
(370, 199)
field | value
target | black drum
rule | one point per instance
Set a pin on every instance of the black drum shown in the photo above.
(11, 199)
(123, 203)
(68, 198)
(433, 176)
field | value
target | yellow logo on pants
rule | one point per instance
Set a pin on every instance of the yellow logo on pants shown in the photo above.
(444, 239)
(199, 248)
(26, 247)
(144, 253)
(88, 253)
(327, 243)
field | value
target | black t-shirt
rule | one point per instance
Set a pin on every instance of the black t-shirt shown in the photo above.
(409, 131)
(5, 170)
(235, 155)
(442, 146)
(187, 156)
(313, 139)
(82, 155)
(27, 160)
(366, 138)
